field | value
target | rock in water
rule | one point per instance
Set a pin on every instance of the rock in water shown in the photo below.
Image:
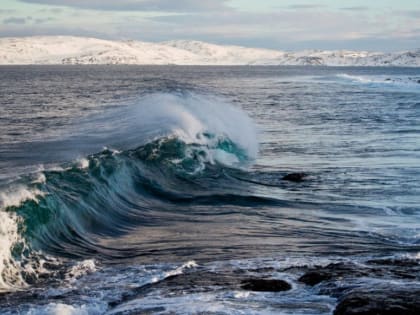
(315, 277)
(392, 302)
(295, 177)
(265, 285)
(379, 268)
(332, 272)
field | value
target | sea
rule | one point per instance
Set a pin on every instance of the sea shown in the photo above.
(206, 190)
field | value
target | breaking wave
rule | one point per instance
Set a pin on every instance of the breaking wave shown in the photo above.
(187, 141)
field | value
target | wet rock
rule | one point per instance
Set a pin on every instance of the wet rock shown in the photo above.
(178, 284)
(376, 268)
(295, 177)
(332, 272)
(205, 280)
(200, 281)
(392, 302)
(265, 285)
(405, 268)
(315, 277)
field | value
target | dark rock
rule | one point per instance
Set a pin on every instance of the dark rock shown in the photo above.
(200, 281)
(315, 277)
(265, 285)
(378, 268)
(395, 268)
(418, 81)
(332, 272)
(295, 177)
(388, 79)
(380, 302)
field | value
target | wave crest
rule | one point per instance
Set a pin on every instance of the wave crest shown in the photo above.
(193, 119)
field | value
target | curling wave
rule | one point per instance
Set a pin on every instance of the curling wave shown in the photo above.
(64, 212)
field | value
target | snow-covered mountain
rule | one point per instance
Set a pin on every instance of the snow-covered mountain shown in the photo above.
(82, 50)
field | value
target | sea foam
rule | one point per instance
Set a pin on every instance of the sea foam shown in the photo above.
(10, 269)
(191, 117)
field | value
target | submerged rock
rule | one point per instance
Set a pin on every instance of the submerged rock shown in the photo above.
(295, 177)
(265, 285)
(332, 272)
(392, 302)
(385, 297)
(315, 277)
(200, 281)
(376, 268)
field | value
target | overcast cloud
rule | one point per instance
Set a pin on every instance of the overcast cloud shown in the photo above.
(140, 5)
(14, 20)
(282, 24)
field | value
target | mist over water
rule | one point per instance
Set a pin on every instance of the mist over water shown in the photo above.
(113, 180)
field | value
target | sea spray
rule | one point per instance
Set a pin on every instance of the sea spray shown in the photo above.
(12, 243)
(189, 116)
(9, 269)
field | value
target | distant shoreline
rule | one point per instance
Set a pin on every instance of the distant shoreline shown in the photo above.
(208, 66)
(69, 50)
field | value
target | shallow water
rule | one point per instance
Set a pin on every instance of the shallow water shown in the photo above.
(115, 179)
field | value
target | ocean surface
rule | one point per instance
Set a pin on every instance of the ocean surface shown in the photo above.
(160, 190)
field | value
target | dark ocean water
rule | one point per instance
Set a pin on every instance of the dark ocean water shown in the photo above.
(131, 190)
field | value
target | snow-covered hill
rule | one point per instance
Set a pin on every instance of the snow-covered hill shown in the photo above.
(82, 50)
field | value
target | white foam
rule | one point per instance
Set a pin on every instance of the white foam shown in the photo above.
(353, 78)
(64, 309)
(190, 116)
(80, 269)
(83, 163)
(221, 118)
(399, 82)
(221, 302)
(188, 265)
(10, 277)
(40, 178)
(14, 196)
(10, 269)
(241, 294)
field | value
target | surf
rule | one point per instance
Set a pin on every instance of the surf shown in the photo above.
(184, 139)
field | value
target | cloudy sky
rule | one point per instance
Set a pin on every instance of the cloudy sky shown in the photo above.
(387, 25)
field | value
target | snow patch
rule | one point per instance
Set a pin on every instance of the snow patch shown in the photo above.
(83, 50)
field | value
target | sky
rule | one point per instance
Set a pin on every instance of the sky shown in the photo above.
(375, 25)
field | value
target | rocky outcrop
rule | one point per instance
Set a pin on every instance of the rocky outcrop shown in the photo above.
(295, 177)
(265, 285)
(394, 301)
